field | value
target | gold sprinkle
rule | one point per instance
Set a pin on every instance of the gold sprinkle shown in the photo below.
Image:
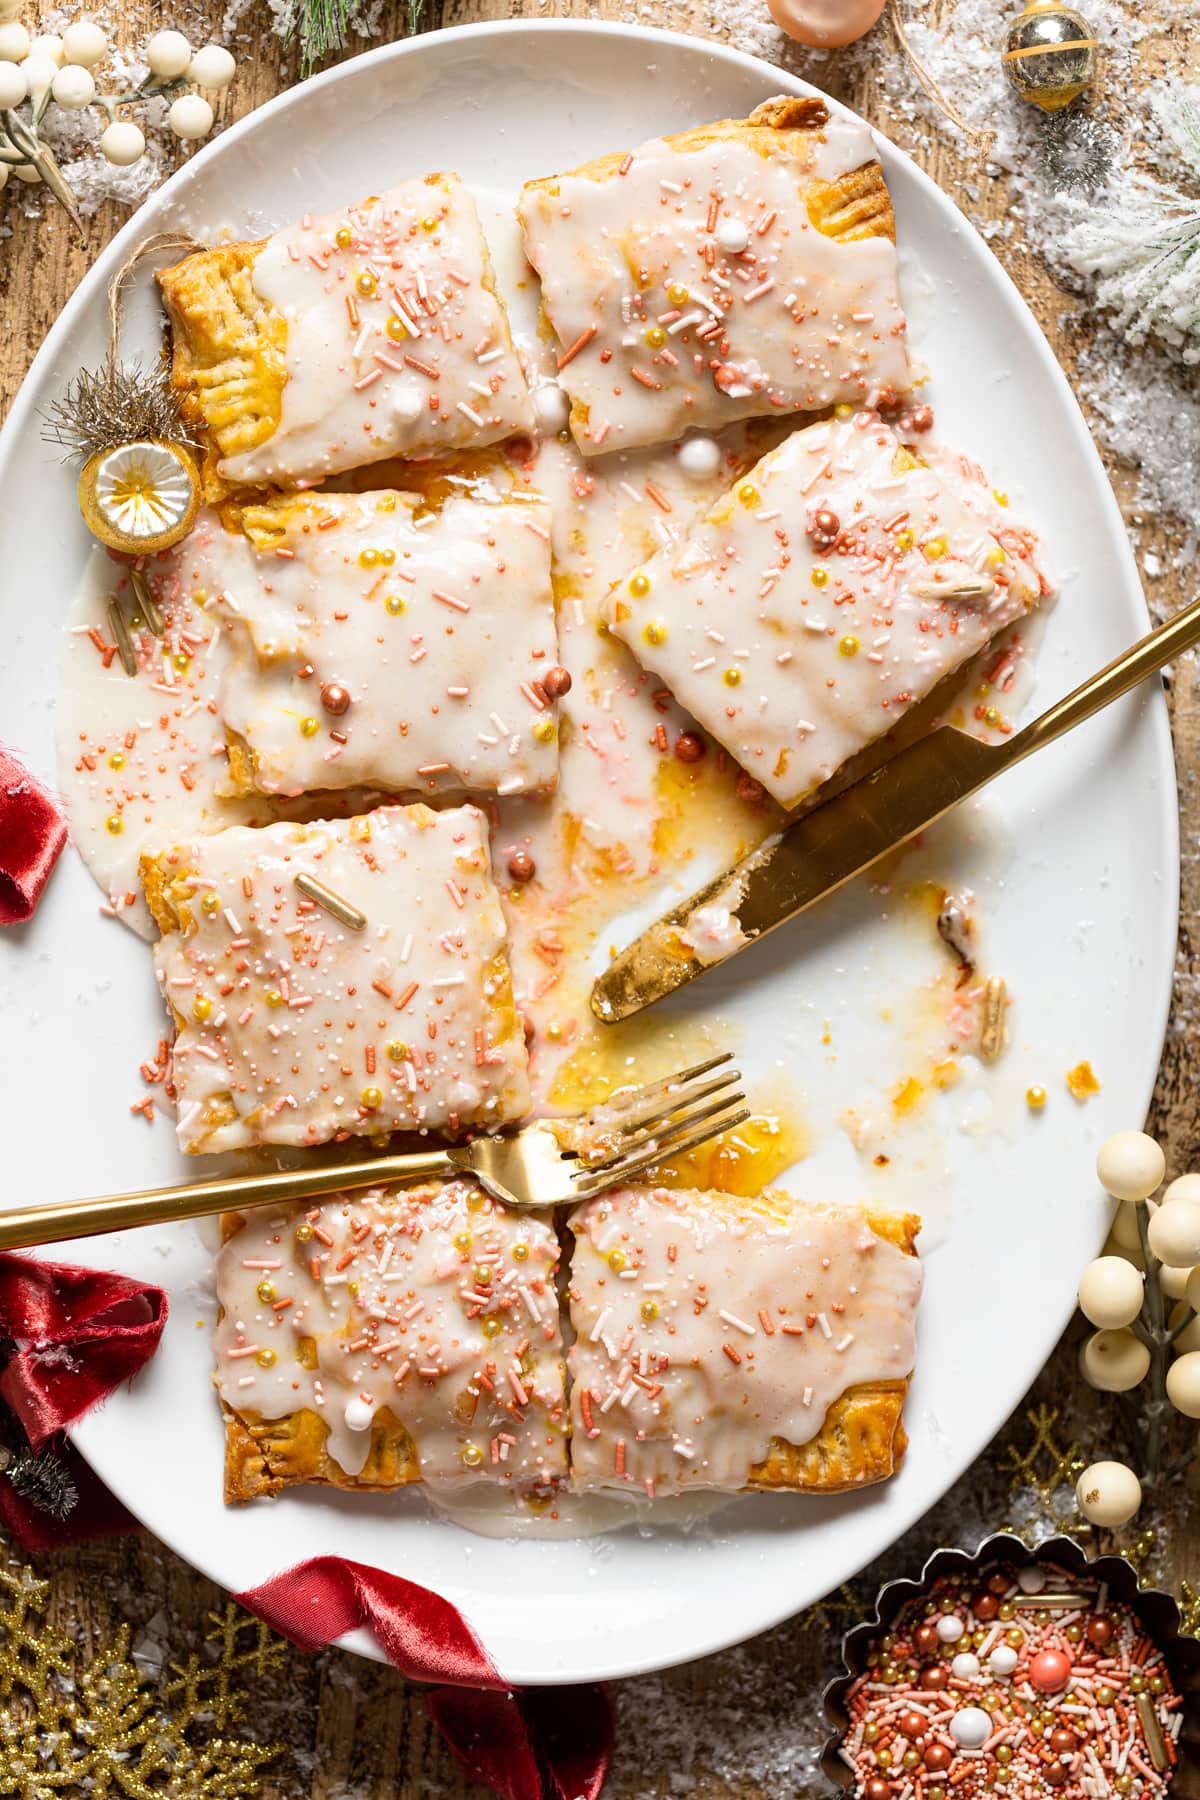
(372, 1098)
(366, 284)
(820, 578)
(340, 909)
(677, 293)
(1152, 1731)
(120, 631)
(117, 760)
(472, 1455)
(991, 1037)
(520, 1251)
(342, 237)
(394, 605)
(639, 584)
(114, 824)
(616, 1261)
(266, 1359)
(265, 1292)
(201, 1008)
(1035, 1098)
(144, 595)
(934, 548)
(210, 904)
(849, 645)
(1049, 1602)
(732, 677)
(904, 540)
(656, 337)
(304, 1232)
(309, 727)
(843, 410)
(491, 1325)
(748, 494)
(394, 1050)
(655, 632)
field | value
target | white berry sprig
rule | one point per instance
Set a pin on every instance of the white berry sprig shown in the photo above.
(37, 73)
(1143, 1295)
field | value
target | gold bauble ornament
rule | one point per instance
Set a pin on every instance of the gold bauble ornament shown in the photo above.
(1049, 54)
(140, 497)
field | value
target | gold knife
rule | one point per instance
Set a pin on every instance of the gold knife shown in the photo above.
(836, 841)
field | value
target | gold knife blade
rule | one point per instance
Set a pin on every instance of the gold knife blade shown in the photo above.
(838, 840)
(798, 866)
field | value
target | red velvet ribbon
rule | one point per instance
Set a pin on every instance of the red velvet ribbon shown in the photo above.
(526, 1744)
(81, 1332)
(32, 834)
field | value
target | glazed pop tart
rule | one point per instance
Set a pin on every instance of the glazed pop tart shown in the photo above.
(741, 268)
(354, 335)
(340, 977)
(830, 589)
(388, 1338)
(376, 642)
(733, 1343)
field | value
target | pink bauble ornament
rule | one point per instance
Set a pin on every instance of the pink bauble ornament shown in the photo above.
(825, 24)
(1050, 1671)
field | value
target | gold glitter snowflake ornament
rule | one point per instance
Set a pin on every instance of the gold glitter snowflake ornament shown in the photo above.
(104, 1731)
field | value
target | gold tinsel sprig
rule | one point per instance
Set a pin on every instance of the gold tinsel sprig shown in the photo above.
(119, 403)
(70, 1726)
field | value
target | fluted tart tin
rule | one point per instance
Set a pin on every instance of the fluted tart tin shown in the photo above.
(1017, 1672)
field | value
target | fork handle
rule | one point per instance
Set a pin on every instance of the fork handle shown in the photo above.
(22, 1227)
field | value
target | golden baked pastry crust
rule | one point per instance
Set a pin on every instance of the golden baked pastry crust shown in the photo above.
(862, 1439)
(228, 363)
(263, 1456)
(856, 205)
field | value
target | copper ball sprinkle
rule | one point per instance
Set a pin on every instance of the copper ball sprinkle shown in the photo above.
(690, 747)
(556, 682)
(824, 529)
(335, 698)
(922, 418)
(521, 866)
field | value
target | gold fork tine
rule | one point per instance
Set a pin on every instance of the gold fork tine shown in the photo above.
(654, 1132)
(667, 1147)
(665, 1084)
(685, 1096)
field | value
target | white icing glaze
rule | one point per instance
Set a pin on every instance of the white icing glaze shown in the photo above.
(794, 656)
(294, 1019)
(435, 1303)
(439, 640)
(146, 753)
(713, 933)
(359, 389)
(661, 328)
(705, 1326)
(628, 819)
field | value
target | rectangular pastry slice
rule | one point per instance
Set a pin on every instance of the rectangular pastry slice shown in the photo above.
(729, 1343)
(387, 1338)
(353, 335)
(831, 588)
(740, 268)
(382, 1004)
(376, 643)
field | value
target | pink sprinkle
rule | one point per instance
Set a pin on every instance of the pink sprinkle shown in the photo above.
(372, 375)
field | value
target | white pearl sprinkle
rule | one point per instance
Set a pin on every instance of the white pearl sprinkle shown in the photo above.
(971, 1728)
(699, 457)
(407, 404)
(1003, 1660)
(359, 1414)
(950, 1628)
(1031, 1579)
(965, 1665)
(732, 236)
(551, 407)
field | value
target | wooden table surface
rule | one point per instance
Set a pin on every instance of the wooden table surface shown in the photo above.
(743, 1724)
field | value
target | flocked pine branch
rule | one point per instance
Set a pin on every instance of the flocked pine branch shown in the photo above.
(322, 26)
(1143, 245)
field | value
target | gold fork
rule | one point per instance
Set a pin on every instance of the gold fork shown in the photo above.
(639, 1127)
